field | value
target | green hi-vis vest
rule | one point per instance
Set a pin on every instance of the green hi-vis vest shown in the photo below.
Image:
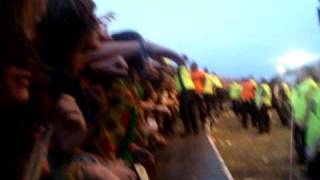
(183, 79)
(235, 91)
(208, 85)
(313, 124)
(263, 95)
(300, 97)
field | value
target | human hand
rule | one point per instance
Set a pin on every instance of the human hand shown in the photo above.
(68, 109)
(120, 169)
(143, 156)
(100, 172)
(114, 65)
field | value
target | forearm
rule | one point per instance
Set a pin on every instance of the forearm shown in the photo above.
(129, 48)
(112, 48)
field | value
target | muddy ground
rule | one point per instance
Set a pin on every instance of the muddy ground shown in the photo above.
(250, 155)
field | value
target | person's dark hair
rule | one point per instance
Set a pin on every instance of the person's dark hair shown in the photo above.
(67, 24)
(16, 48)
(264, 80)
(311, 72)
(127, 36)
(136, 61)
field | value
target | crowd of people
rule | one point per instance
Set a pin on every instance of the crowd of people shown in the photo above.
(77, 102)
(253, 101)
(297, 107)
(80, 103)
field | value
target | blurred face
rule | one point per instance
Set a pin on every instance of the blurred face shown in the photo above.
(79, 62)
(93, 40)
(194, 66)
(69, 136)
(70, 126)
(16, 83)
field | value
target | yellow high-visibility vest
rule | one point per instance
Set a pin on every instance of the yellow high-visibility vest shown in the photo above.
(183, 79)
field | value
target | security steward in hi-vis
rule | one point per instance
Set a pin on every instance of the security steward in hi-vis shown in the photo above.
(301, 100)
(264, 104)
(187, 98)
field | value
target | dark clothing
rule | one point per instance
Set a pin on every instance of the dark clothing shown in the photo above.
(201, 104)
(248, 108)
(300, 143)
(209, 100)
(236, 107)
(283, 110)
(16, 136)
(263, 119)
(221, 97)
(64, 82)
(189, 110)
(313, 168)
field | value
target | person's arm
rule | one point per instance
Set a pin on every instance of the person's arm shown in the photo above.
(129, 48)
(113, 65)
(112, 48)
(157, 52)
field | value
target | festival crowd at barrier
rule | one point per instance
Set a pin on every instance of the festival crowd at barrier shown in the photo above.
(80, 103)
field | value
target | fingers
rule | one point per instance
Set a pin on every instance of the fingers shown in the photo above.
(70, 112)
(115, 65)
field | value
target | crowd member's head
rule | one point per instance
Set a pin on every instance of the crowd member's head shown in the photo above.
(307, 72)
(15, 75)
(70, 125)
(251, 77)
(264, 81)
(15, 83)
(194, 66)
(136, 61)
(19, 20)
(70, 26)
(20, 17)
(206, 70)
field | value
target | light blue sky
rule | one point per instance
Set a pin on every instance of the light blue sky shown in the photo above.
(231, 37)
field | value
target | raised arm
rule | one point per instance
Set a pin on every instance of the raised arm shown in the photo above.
(129, 48)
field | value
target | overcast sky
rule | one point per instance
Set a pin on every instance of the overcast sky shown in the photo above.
(231, 37)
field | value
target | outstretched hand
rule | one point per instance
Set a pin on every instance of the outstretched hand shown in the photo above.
(115, 65)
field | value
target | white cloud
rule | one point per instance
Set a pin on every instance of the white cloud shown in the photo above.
(294, 59)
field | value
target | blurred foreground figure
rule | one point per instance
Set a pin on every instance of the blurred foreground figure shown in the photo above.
(208, 93)
(21, 85)
(280, 101)
(300, 100)
(187, 99)
(248, 105)
(235, 96)
(264, 104)
(219, 94)
(198, 78)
